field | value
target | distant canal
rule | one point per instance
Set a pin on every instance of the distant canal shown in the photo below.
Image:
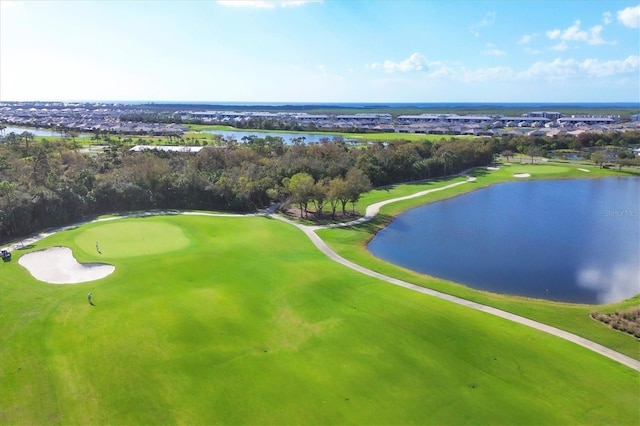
(288, 138)
(570, 240)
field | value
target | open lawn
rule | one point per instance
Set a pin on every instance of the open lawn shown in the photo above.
(243, 321)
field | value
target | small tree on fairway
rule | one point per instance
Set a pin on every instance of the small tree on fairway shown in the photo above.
(357, 184)
(598, 158)
(301, 186)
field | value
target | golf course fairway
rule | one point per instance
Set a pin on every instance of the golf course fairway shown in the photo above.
(220, 320)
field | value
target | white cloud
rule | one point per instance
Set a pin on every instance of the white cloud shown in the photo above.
(488, 20)
(265, 4)
(607, 18)
(560, 47)
(556, 70)
(574, 33)
(630, 17)
(494, 52)
(597, 68)
(415, 62)
(527, 38)
(595, 38)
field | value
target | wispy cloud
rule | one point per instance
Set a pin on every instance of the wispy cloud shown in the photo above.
(488, 20)
(630, 17)
(493, 51)
(607, 18)
(574, 33)
(527, 38)
(266, 4)
(556, 70)
(415, 62)
(570, 68)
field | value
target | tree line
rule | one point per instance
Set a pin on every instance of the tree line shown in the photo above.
(45, 184)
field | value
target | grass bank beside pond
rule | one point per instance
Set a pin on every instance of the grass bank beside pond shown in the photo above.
(351, 244)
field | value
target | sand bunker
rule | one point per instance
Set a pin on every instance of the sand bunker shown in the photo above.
(493, 168)
(522, 175)
(58, 266)
(584, 170)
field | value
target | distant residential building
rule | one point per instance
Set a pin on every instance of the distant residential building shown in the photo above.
(586, 120)
(551, 115)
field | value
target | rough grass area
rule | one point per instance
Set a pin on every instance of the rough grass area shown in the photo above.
(627, 321)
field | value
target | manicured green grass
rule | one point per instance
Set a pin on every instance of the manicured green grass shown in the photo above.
(351, 244)
(249, 323)
(221, 330)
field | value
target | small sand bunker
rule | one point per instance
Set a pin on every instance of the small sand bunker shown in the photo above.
(58, 266)
(584, 170)
(522, 175)
(493, 168)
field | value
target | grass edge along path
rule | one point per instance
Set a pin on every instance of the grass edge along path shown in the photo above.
(373, 209)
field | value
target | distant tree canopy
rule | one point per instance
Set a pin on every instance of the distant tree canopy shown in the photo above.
(45, 184)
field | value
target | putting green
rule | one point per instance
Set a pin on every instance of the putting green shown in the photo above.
(135, 237)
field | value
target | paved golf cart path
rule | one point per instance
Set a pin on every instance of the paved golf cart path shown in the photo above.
(371, 211)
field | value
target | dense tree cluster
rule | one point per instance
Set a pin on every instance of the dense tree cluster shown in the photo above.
(45, 184)
(586, 143)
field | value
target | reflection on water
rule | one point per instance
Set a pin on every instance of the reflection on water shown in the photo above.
(613, 283)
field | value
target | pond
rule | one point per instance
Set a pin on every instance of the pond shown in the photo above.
(35, 132)
(571, 240)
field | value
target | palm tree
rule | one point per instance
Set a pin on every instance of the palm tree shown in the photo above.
(447, 158)
(27, 137)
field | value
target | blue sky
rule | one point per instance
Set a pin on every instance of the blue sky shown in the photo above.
(321, 51)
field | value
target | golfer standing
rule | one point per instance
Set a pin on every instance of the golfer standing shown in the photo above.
(89, 299)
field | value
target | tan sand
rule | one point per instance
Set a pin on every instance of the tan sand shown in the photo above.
(522, 175)
(57, 265)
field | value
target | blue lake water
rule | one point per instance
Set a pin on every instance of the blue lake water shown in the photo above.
(571, 240)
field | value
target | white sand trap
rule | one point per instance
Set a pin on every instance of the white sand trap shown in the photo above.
(493, 168)
(58, 266)
(522, 175)
(584, 170)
